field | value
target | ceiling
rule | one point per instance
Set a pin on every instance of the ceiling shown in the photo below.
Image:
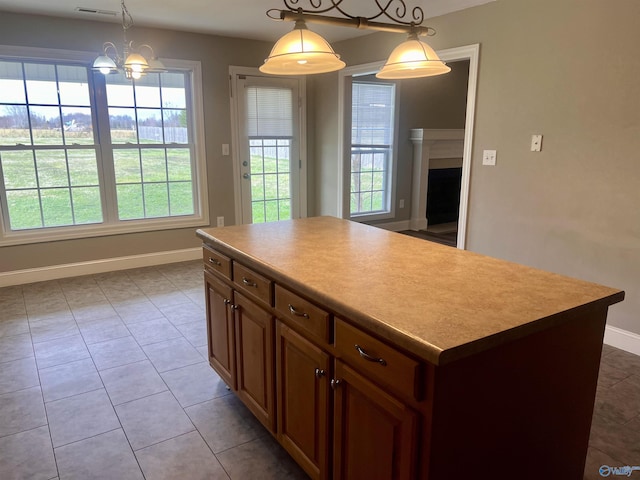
(236, 18)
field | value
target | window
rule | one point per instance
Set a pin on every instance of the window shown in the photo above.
(372, 134)
(82, 154)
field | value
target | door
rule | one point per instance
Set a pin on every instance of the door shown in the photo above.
(302, 372)
(254, 351)
(375, 435)
(268, 114)
(220, 329)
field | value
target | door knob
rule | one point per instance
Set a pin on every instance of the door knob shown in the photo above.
(245, 163)
(245, 175)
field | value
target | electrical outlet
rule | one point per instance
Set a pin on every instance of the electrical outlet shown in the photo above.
(220, 222)
(489, 157)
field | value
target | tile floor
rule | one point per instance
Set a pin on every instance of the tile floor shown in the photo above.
(105, 376)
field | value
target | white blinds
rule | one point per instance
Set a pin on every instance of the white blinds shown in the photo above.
(269, 112)
(372, 113)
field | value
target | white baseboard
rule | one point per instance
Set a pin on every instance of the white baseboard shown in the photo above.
(622, 339)
(20, 277)
(394, 226)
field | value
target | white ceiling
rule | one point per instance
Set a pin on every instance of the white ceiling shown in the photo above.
(236, 18)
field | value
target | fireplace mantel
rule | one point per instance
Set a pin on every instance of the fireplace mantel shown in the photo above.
(429, 144)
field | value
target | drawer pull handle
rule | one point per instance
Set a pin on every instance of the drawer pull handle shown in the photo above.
(335, 383)
(368, 357)
(248, 282)
(319, 373)
(215, 261)
(297, 313)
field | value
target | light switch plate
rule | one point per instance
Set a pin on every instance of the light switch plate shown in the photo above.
(536, 143)
(225, 149)
(489, 157)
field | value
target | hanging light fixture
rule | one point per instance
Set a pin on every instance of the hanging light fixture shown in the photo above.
(412, 59)
(303, 52)
(132, 63)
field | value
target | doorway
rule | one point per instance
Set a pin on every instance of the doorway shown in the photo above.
(269, 164)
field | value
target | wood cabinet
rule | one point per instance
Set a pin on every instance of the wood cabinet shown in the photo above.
(220, 329)
(378, 377)
(302, 377)
(375, 435)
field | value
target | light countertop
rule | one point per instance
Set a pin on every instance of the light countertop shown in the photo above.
(437, 302)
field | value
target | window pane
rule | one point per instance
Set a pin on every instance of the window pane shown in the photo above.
(77, 126)
(45, 125)
(41, 83)
(19, 169)
(283, 185)
(257, 187)
(14, 125)
(24, 209)
(56, 207)
(11, 83)
(257, 212)
(119, 91)
(73, 85)
(173, 90)
(181, 198)
(87, 206)
(147, 91)
(154, 167)
(150, 125)
(130, 203)
(179, 164)
(156, 200)
(123, 125)
(52, 168)
(271, 211)
(127, 166)
(175, 126)
(83, 167)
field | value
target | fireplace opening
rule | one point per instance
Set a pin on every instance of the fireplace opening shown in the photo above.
(443, 195)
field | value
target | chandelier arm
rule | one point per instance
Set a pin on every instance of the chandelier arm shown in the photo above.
(355, 22)
(394, 10)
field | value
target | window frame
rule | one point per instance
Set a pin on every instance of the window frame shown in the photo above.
(345, 87)
(111, 225)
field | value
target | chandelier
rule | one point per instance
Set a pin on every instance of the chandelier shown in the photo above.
(302, 51)
(132, 63)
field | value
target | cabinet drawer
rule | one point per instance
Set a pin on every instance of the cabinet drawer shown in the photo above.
(217, 262)
(254, 284)
(303, 313)
(377, 360)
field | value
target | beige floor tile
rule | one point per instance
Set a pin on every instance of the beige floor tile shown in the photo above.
(185, 313)
(18, 375)
(172, 354)
(103, 329)
(13, 324)
(106, 456)
(138, 311)
(21, 411)
(132, 381)
(153, 331)
(60, 350)
(27, 455)
(195, 332)
(69, 379)
(81, 416)
(195, 384)
(185, 457)
(114, 353)
(15, 347)
(153, 419)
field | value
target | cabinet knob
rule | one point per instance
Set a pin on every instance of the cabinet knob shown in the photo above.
(227, 301)
(335, 383)
(370, 358)
(235, 307)
(319, 373)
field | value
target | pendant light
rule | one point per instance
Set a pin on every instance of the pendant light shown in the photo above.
(301, 52)
(412, 59)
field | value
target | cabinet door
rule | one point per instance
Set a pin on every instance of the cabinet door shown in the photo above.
(255, 358)
(374, 433)
(220, 331)
(302, 373)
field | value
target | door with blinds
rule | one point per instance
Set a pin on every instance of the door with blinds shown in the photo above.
(268, 128)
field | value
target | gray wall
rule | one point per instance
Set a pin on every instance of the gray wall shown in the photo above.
(568, 70)
(215, 54)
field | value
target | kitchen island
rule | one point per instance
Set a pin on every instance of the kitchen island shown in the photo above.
(369, 354)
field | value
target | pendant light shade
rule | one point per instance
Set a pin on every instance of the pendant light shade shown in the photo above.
(301, 52)
(412, 59)
(105, 65)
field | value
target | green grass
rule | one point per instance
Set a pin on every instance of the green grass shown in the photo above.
(270, 189)
(146, 185)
